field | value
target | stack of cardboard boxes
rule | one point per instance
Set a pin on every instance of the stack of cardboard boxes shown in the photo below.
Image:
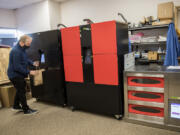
(4, 61)
(7, 92)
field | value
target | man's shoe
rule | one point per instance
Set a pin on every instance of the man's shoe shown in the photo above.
(17, 108)
(30, 111)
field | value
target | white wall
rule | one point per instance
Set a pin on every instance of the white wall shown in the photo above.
(74, 11)
(7, 18)
(54, 13)
(46, 15)
(33, 18)
(38, 17)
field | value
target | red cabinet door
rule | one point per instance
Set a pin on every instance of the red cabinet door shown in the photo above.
(104, 38)
(71, 43)
(105, 69)
(73, 68)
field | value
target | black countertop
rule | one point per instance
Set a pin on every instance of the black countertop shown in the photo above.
(151, 69)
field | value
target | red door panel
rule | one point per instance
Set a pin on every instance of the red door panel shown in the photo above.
(105, 69)
(146, 96)
(144, 110)
(73, 68)
(71, 44)
(104, 38)
(146, 81)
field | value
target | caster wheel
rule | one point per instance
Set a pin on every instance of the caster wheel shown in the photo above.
(72, 108)
(64, 105)
(118, 117)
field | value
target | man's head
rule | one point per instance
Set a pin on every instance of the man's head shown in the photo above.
(25, 41)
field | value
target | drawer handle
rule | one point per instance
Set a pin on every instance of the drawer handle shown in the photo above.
(145, 81)
(146, 95)
(146, 109)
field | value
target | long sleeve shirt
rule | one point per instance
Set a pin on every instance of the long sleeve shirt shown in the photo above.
(18, 63)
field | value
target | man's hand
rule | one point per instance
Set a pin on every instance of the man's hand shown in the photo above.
(36, 64)
(33, 72)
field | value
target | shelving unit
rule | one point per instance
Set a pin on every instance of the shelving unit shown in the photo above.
(148, 27)
(149, 43)
(149, 46)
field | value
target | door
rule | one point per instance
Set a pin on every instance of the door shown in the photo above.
(104, 38)
(71, 43)
(73, 68)
(105, 69)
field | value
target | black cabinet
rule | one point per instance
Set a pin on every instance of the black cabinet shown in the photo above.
(98, 59)
(53, 88)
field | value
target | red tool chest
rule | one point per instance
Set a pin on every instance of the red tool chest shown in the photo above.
(141, 99)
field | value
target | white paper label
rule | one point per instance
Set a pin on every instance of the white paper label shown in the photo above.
(175, 110)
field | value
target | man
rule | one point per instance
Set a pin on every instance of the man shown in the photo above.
(18, 71)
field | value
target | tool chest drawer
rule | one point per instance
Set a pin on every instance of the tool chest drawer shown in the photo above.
(145, 81)
(146, 110)
(146, 96)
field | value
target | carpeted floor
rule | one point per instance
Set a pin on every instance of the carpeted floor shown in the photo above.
(53, 120)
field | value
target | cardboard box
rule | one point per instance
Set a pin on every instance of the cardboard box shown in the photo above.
(7, 94)
(166, 10)
(178, 32)
(176, 20)
(152, 55)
